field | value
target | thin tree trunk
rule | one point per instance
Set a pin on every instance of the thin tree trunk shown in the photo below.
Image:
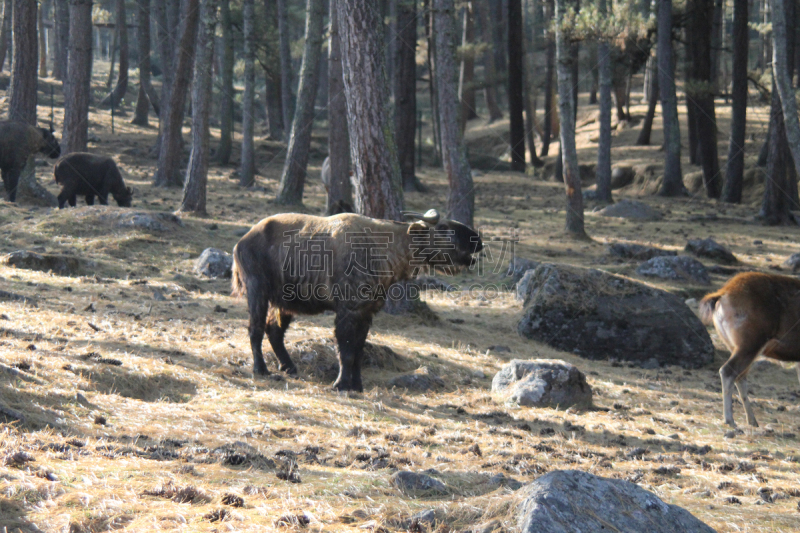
(652, 101)
(466, 78)
(405, 91)
(272, 90)
(437, 139)
(77, 82)
(170, 153)
(225, 146)
(167, 21)
(603, 174)
(42, 41)
(782, 73)
(339, 188)
(549, 75)
(247, 168)
(6, 33)
(530, 90)
(734, 172)
(116, 96)
(489, 73)
(194, 191)
(498, 9)
(294, 168)
(461, 201)
(379, 192)
(61, 48)
(286, 66)
(147, 95)
(716, 44)
(516, 103)
(569, 153)
(113, 53)
(672, 185)
(775, 205)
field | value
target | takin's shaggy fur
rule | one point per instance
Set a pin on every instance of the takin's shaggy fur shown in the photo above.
(19, 141)
(753, 313)
(90, 175)
(301, 264)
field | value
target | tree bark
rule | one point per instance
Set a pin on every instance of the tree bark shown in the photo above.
(775, 207)
(549, 75)
(113, 54)
(466, 78)
(294, 168)
(489, 71)
(461, 201)
(247, 169)
(405, 90)
(42, 41)
(272, 90)
(225, 145)
(194, 191)
(379, 192)
(516, 103)
(286, 66)
(435, 129)
(339, 188)
(170, 152)
(61, 23)
(652, 101)
(167, 22)
(783, 80)
(6, 48)
(734, 172)
(603, 174)
(499, 10)
(116, 96)
(569, 153)
(147, 95)
(672, 185)
(77, 83)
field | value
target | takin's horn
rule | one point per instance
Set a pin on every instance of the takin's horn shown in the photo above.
(430, 217)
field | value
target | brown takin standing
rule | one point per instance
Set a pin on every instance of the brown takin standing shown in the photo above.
(90, 175)
(19, 141)
(753, 313)
(301, 264)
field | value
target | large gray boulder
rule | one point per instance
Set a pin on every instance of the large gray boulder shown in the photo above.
(678, 268)
(63, 265)
(572, 501)
(711, 249)
(518, 266)
(598, 315)
(627, 250)
(543, 383)
(214, 263)
(631, 209)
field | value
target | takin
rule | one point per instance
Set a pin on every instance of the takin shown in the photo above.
(90, 175)
(753, 313)
(291, 264)
(19, 141)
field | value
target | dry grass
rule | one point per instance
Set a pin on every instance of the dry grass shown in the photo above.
(142, 413)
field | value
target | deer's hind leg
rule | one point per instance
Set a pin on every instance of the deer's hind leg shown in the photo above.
(735, 369)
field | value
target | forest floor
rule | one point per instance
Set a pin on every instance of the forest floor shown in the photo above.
(142, 414)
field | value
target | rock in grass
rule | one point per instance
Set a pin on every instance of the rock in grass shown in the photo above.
(711, 249)
(793, 262)
(543, 383)
(214, 263)
(572, 500)
(415, 482)
(64, 265)
(631, 209)
(678, 268)
(637, 251)
(421, 380)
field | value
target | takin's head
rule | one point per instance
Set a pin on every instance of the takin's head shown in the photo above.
(50, 146)
(443, 243)
(124, 199)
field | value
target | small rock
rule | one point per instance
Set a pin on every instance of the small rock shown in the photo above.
(425, 517)
(159, 296)
(651, 364)
(631, 209)
(621, 176)
(793, 262)
(499, 349)
(214, 263)
(518, 266)
(421, 380)
(710, 249)
(410, 482)
(543, 383)
(681, 268)
(637, 251)
(241, 232)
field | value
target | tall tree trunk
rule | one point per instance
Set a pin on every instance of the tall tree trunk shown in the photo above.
(700, 93)
(115, 97)
(498, 10)
(6, 47)
(549, 76)
(783, 77)
(435, 129)
(672, 185)
(272, 90)
(734, 172)
(516, 103)
(147, 95)
(286, 66)
(339, 188)
(652, 101)
(775, 207)
(79, 73)
(194, 190)
(42, 41)
(247, 168)
(530, 89)
(603, 175)
(294, 169)
(225, 146)
(489, 73)
(405, 90)
(113, 54)
(167, 15)
(466, 77)
(379, 192)
(716, 44)
(170, 153)
(569, 153)
(461, 201)
(61, 28)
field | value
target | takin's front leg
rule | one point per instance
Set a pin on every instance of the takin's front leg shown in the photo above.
(351, 335)
(277, 323)
(258, 319)
(11, 181)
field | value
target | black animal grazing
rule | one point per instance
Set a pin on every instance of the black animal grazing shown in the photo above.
(301, 264)
(90, 175)
(18, 141)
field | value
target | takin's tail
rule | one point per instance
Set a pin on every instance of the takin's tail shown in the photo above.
(238, 287)
(707, 306)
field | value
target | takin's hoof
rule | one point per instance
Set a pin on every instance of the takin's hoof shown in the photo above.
(261, 372)
(290, 370)
(346, 387)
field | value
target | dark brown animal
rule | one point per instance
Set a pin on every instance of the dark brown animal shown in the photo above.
(90, 175)
(753, 313)
(301, 264)
(19, 141)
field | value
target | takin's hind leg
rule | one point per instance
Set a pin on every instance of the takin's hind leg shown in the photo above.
(351, 336)
(734, 368)
(277, 323)
(741, 385)
(258, 318)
